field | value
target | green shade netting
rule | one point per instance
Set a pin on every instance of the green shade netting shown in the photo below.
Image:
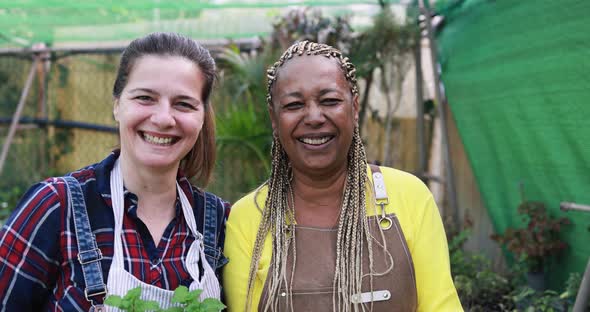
(517, 78)
(24, 22)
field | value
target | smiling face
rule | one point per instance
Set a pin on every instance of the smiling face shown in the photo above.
(160, 111)
(314, 113)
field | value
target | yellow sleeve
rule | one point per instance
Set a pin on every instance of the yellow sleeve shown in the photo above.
(235, 272)
(430, 254)
(241, 229)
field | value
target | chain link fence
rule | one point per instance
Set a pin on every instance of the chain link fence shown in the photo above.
(66, 120)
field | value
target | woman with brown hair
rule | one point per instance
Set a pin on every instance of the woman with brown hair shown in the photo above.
(133, 219)
(328, 232)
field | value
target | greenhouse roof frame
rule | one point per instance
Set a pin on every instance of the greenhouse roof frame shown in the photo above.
(61, 23)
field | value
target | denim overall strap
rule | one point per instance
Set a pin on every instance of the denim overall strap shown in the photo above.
(88, 253)
(210, 229)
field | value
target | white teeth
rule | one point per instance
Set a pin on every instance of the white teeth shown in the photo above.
(157, 140)
(315, 141)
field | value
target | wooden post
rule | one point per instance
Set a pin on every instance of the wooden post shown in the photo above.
(42, 110)
(17, 113)
(420, 139)
(441, 104)
(583, 292)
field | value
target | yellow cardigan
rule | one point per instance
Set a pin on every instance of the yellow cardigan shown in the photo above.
(419, 218)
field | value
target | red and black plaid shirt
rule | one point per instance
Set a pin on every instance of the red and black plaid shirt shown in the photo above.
(39, 270)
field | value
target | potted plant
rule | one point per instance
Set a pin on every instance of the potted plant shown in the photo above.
(537, 242)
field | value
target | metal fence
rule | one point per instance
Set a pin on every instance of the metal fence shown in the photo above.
(62, 123)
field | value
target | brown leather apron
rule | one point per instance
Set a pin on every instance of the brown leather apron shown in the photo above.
(316, 262)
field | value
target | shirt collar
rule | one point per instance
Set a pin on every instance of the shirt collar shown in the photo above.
(103, 184)
(131, 203)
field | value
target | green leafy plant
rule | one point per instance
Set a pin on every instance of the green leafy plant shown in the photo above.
(243, 126)
(132, 302)
(528, 300)
(184, 299)
(482, 289)
(478, 286)
(461, 262)
(311, 24)
(538, 240)
(383, 55)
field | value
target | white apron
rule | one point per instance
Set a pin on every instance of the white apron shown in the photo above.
(120, 281)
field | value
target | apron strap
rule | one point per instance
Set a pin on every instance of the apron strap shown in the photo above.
(378, 183)
(210, 228)
(89, 254)
(381, 198)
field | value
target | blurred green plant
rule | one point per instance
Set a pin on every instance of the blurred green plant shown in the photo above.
(478, 286)
(528, 300)
(8, 199)
(538, 240)
(485, 291)
(311, 24)
(11, 190)
(481, 289)
(244, 132)
(26, 165)
(243, 143)
(386, 47)
(184, 299)
(9, 93)
(244, 74)
(461, 262)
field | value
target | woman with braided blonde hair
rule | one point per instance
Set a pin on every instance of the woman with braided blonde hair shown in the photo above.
(328, 232)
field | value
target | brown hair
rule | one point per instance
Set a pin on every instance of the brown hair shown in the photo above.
(199, 162)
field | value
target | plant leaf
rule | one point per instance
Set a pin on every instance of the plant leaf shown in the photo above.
(212, 305)
(181, 295)
(142, 305)
(114, 301)
(133, 293)
(196, 307)
(195, 294)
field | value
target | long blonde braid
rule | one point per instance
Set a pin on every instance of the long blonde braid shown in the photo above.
(278, 215)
